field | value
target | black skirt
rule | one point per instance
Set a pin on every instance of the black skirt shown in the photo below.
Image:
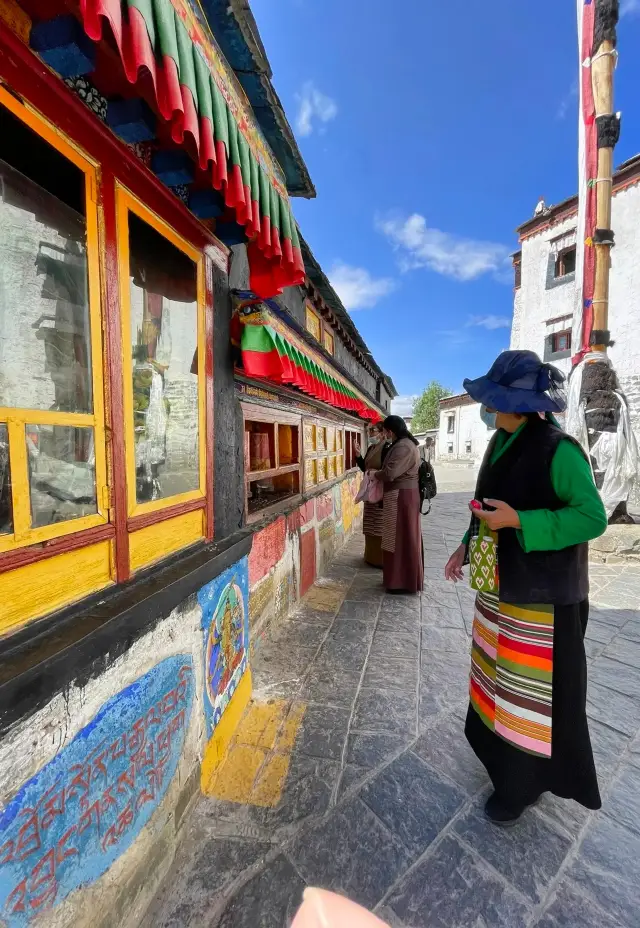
(520, 778)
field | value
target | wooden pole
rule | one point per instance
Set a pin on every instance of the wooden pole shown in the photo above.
(600, 390)
(602, 71)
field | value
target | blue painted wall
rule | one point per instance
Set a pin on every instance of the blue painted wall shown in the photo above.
(74, 818)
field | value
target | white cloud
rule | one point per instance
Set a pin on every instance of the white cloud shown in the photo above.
(567, 101)
(403, 405)
(451, 255)
(314, 107)
(628, 7)
(490, 322)
(357, 288)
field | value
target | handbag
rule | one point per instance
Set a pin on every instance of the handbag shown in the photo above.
(483, 560)
(371, 490)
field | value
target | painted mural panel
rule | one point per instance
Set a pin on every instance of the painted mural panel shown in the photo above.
(310, 472)
(74, 818)
(225, 624)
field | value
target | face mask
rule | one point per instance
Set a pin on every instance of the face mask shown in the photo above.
(489, 418)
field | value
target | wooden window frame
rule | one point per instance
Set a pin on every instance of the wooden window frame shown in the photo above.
(17, 418)
(451, 424)
(351, 435)
(560, 269)
(555, 338)
(103, 554)
(127, 202)
(255, 413)
(517, 273)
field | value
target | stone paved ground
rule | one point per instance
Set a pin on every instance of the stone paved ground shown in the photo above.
(382, 798)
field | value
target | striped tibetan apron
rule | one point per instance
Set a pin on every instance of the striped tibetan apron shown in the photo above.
(512, 671)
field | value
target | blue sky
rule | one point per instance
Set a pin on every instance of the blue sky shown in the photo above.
(430, 131)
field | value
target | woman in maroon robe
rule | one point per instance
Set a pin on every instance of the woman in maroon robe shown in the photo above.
(403, 560)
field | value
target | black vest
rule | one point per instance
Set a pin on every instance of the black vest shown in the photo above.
(521, 477)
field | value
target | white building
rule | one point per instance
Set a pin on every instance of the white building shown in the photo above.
(545, 300)
(462, 435)
(546, 289)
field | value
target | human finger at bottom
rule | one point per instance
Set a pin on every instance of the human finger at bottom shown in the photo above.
(322, 909)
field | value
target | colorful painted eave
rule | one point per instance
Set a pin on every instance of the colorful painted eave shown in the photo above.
(168, 52)
(271, 351)
(238, 36)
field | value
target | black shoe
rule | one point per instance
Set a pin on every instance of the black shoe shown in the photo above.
(501, 814)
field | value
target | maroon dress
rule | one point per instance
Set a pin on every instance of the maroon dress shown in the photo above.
(403, 560)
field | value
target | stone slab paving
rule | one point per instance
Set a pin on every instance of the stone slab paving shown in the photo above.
(382, 798)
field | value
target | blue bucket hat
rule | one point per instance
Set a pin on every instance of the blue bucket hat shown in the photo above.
(519, 382)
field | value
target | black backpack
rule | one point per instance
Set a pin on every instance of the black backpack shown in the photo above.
(426, 485)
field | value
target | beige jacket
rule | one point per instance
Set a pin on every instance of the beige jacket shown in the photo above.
(401, 466)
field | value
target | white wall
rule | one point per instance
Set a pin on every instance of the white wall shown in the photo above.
(535, 302)
(469, 427)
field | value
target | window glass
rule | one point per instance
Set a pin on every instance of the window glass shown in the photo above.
(164, 336)
(6, 515)
(62, 473)
(45, 347)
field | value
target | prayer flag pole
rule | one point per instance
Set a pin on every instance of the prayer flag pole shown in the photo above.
(596, 403)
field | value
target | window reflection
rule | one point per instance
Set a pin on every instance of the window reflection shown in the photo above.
(164, 337)
(6, 516)
(62, 474)
(45, 352)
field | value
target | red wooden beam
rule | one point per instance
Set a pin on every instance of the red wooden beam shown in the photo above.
(23, 556)
(152, 518)
(209, 394)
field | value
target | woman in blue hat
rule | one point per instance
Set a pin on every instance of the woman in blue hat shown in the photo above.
(527, 718)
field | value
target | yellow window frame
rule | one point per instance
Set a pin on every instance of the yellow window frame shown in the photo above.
(17, 419)
(126, 202)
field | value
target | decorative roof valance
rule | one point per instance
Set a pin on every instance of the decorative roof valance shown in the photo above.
(271, 351)
(196, 91)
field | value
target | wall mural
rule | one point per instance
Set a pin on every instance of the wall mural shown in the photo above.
(74, 818)
(337, 502)
(350, 509)
(225, 624)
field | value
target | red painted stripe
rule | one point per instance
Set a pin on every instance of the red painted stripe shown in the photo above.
(10, 560)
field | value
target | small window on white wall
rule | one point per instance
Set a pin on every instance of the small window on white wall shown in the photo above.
(451, 424)
(450, 448)
(468, 447)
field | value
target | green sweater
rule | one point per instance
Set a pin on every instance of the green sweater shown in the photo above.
(583, 517)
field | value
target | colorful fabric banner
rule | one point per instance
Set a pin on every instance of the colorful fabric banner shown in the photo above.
(587, 188)
(163, 38)
(270, 353)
